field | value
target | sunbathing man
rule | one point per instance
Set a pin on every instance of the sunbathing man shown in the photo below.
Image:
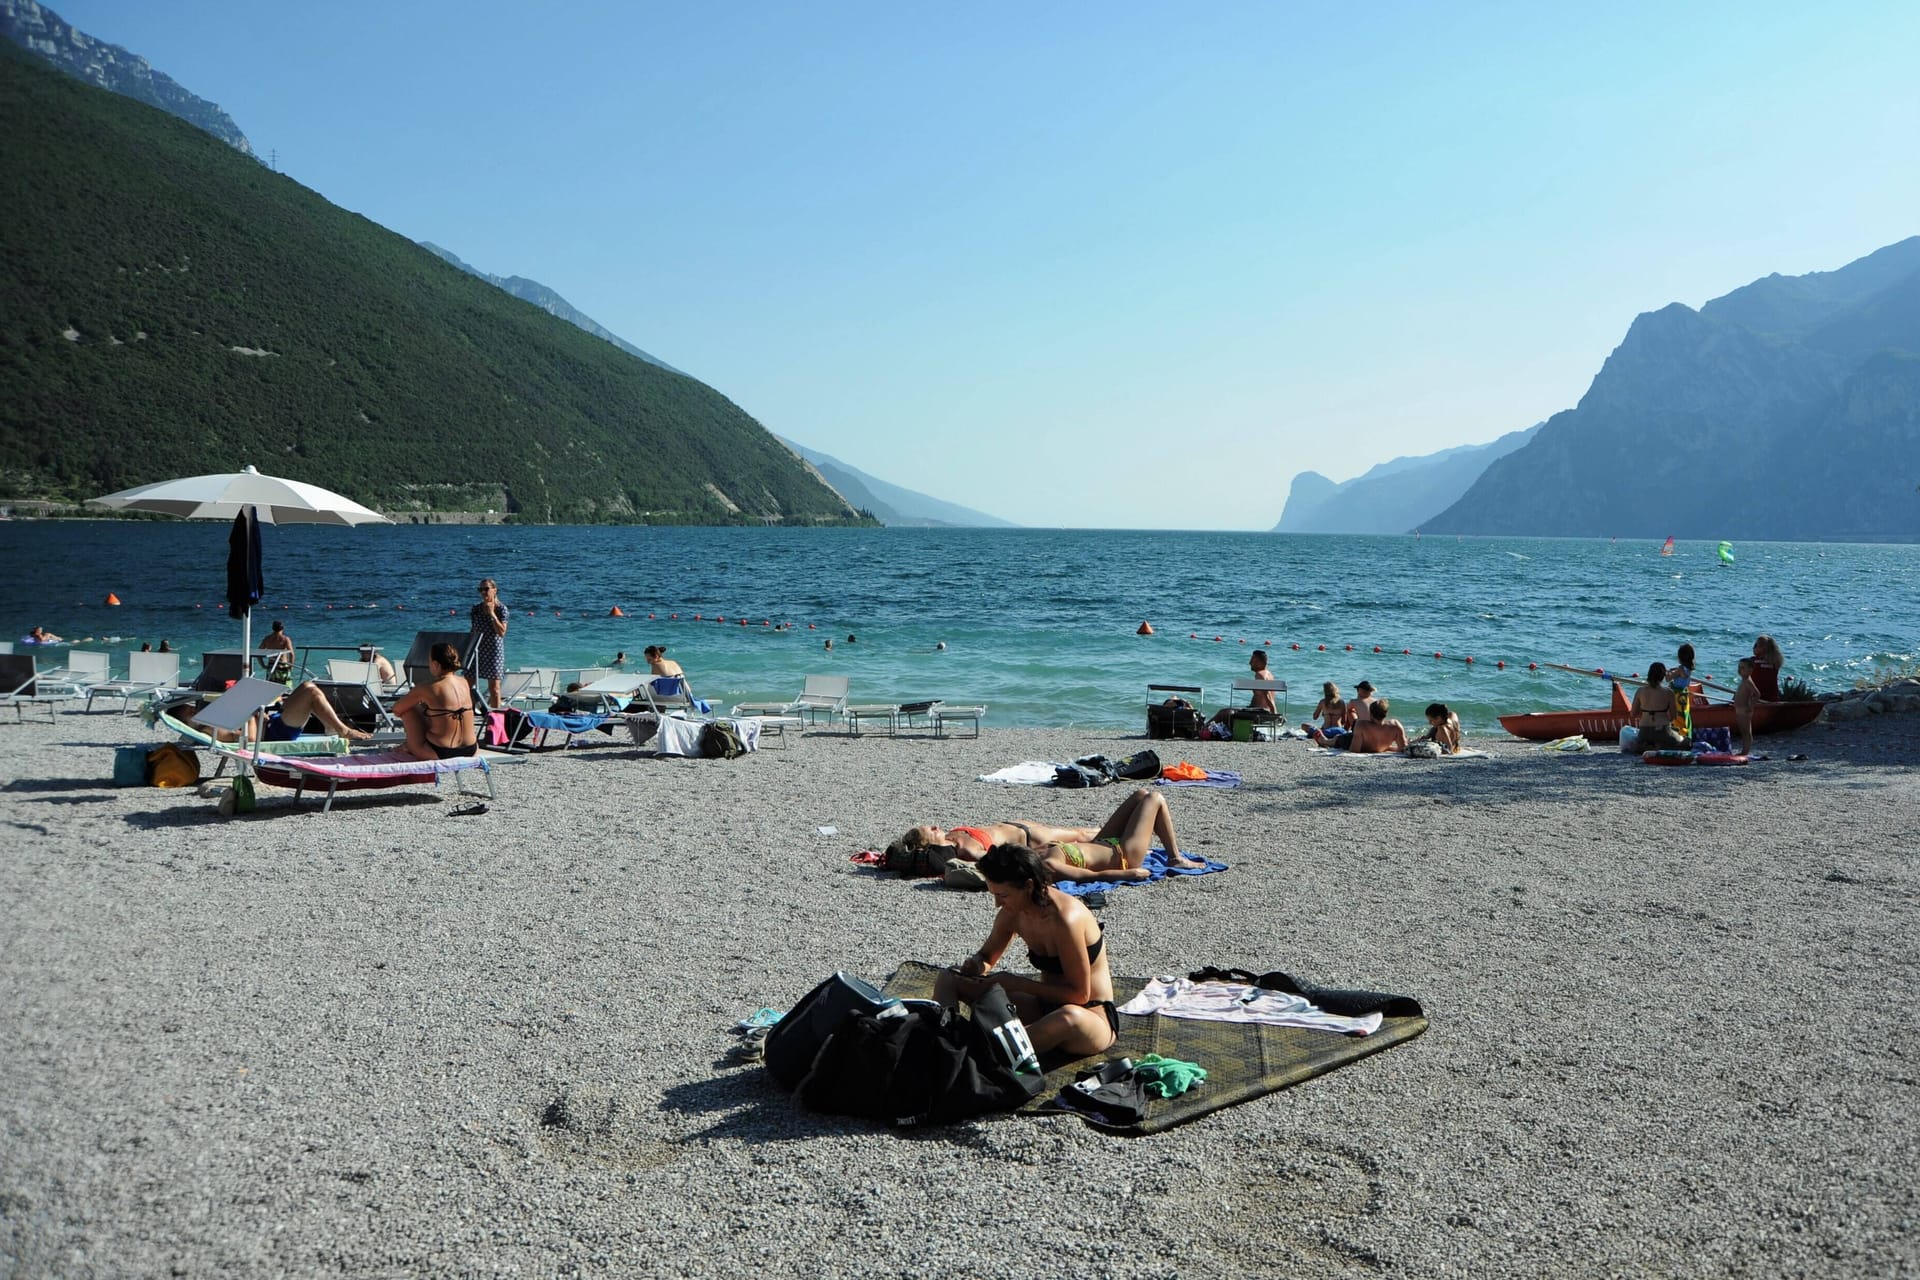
(286, 719)
(1116, 850)
(1377, 735)
(439, 714)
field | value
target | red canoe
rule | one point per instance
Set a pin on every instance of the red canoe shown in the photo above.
(1605, 726)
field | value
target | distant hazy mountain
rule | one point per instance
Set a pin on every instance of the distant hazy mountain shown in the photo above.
(1788, 409)
(892, 504)
(549, 301)
(1394, 496)
(39, 29)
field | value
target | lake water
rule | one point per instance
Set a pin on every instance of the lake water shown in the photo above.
(1038, 624)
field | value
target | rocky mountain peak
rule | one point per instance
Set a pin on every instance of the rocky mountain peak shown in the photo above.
(46, 34)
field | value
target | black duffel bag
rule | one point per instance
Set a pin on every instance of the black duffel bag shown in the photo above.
(1174, 718)
(795, 1040)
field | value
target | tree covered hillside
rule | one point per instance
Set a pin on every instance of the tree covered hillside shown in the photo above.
(171, 308)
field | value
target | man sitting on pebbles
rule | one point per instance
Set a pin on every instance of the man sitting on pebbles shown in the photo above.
(1377, 735)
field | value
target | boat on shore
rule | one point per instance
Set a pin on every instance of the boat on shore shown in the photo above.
(1605, 725)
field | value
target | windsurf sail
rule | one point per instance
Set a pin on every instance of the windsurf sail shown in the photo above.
(1726, 553)
(1667, 549)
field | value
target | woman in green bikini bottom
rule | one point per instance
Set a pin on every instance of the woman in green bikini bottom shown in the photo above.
(1115, 850)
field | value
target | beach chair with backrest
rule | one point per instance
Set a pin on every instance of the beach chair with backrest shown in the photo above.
(146, 673)
(819, 695)
(84, 669)
(417, 670)
(21, 686)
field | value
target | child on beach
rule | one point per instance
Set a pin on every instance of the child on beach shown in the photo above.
(1443, 728)
(1743, 701)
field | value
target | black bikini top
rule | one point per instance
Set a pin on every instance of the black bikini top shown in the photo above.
(1051, 964)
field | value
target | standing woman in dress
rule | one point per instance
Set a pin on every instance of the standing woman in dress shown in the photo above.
(487, 637)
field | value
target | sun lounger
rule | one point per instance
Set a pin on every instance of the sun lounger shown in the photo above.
(943, 715)
(146, 673)
(368, 771)
(887, 713)
(819, 695)
(21, 686)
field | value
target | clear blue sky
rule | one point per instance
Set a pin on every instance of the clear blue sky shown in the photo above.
(1094, 264)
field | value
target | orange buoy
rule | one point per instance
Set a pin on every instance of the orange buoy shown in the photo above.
(616, 612)
(112, 598)
(1144, 629)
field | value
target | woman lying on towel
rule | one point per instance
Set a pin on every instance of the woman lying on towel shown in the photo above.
(438, 715)
(1115, 850)
(1068, 1004)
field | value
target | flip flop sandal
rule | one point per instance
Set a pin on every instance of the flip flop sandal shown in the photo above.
(468, 811)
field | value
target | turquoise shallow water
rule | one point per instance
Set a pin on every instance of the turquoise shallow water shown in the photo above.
(1039, 624)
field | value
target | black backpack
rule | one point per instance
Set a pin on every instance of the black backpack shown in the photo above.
(914, 1063)
(721, 741)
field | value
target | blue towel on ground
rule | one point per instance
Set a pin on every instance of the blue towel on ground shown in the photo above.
(1156, 863)
(1214, 778)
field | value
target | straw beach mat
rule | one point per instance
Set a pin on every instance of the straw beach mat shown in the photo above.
(1243, 1060)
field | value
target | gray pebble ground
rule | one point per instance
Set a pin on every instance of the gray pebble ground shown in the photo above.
(1672, 1020)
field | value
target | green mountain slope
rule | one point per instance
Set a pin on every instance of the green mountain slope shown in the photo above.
(174, 308)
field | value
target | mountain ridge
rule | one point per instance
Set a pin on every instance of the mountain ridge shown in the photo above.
(1788, 409)
(1392, 496)
(175, 307)
(113, 67)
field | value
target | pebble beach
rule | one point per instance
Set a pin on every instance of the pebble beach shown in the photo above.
(1669, 1018)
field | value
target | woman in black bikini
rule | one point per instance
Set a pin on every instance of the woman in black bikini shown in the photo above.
(1068, 1004)
(439, 714)
(1115, 850)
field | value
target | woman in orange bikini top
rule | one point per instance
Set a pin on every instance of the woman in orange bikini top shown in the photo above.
(1115, 850)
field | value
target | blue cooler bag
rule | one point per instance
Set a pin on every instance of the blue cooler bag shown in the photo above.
(130, 766)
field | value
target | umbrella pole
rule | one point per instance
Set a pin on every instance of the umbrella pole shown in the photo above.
(246, 664)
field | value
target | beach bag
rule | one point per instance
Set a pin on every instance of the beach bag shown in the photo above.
(1249, 721)
(916, 1063)
(1720, 740)
(721, 741)
(795, 1040)
(170, 765)
(1174, 718)
(1142, 766)
(130, 766)
(1425, 749)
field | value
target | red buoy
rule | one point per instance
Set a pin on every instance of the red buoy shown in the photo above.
(1323, 648)
(1376, 648)
(616, 612)
(1144, 629)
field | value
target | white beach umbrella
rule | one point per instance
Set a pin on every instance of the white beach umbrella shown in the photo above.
(222, 497)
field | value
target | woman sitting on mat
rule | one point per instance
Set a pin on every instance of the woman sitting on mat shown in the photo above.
(438, 715)
(1331, 711)
(1653, 713)
(1116, 850)
(1068, 1004)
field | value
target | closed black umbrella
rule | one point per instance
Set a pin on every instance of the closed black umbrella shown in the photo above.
(245, 586)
